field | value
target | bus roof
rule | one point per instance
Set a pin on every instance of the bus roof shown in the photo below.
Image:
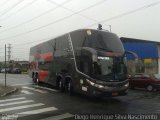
(78, 30)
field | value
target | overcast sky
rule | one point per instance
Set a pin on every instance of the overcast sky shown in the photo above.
(26, 23)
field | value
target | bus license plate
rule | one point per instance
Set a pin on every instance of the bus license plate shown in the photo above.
(115, 94)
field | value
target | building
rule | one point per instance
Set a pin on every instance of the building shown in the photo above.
(23, 65)
(148, 55)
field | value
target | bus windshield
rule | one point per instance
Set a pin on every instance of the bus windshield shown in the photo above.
(108, 49)
(104, 41)
(100, 40)
(109, 68)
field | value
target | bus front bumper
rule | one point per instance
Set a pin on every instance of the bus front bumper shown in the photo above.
(101, 90)
(109, 93)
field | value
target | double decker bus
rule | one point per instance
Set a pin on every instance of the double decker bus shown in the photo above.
(86, 61)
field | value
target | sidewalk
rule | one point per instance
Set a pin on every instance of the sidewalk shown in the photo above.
(6, 90)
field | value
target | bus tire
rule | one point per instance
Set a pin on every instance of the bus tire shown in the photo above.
(149, 88)
(36, 77)
(70, 88)
(33, 77)
(37, 80)
(61, 85)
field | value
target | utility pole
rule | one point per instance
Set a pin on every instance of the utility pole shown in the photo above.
(9, 52)
(5, 66)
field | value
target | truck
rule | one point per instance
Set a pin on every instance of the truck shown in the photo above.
(86, 61)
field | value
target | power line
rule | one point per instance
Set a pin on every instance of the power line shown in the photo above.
(19, 10)
(28, 43)
(28, 21)
(12, 7)
(126, 13)
(42, 39)
(33, 42)
(115, 17)
(5, 2)
(59, 20)
(71, 10)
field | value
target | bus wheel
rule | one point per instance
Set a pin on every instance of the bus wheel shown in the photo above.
(37, 80)
(34, 78)
(70, 88)
(150, 88)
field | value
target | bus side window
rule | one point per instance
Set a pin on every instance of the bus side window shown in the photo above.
(62, 43)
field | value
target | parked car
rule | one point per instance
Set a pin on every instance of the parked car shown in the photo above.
(8, 70)
(16, 71)
(3, 70)
(150, 82)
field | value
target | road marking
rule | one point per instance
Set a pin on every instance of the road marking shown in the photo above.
(40, 91)
(7, 100)
(29, 88)
(23, 84)
(50, 89)
(26, 92)
(20, 107)
(34, 89)
(59, 117)
(15, 103)
(22, 114)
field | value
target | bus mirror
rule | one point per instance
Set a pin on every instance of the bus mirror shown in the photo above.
(133, 54)
(91, 51)
(136, 60)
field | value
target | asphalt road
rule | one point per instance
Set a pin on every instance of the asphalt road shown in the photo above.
(33, 102)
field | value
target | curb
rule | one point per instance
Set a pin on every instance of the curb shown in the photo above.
(14, 90)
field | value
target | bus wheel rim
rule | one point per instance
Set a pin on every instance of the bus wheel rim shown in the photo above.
(69, 86)
(37, 80)
(60, 84)
(149, 88)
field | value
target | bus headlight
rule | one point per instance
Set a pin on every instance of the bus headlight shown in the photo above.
(127, 84)
(99, 86)
(94, 84)
(90, 82)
